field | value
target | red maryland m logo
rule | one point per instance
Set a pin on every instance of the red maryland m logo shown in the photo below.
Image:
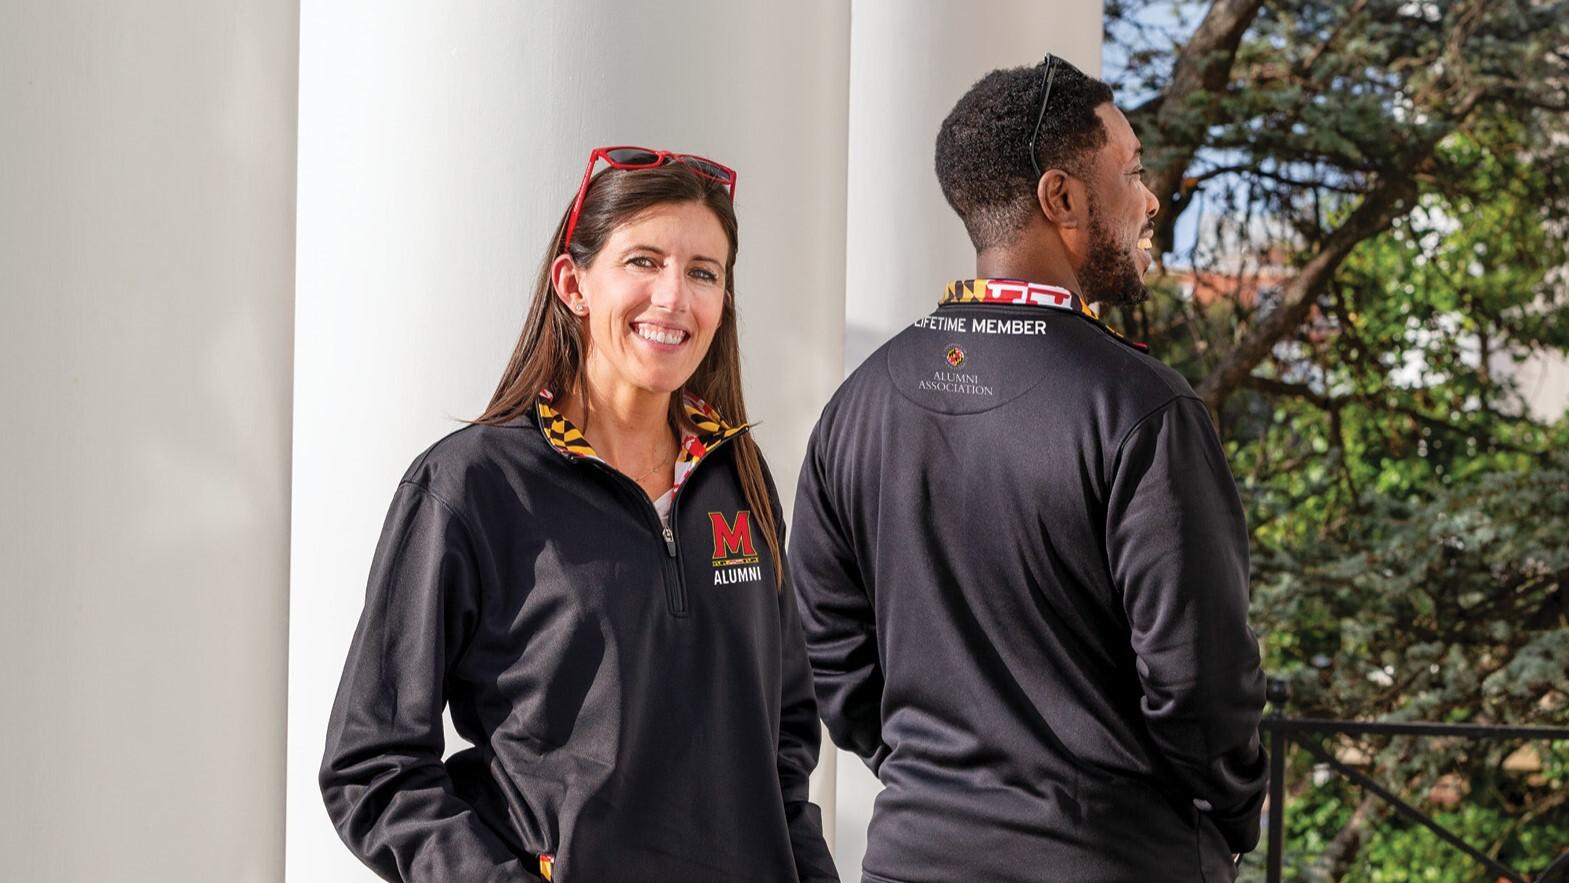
(732, 540)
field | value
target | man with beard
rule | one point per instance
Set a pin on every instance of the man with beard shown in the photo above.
(1019, 554)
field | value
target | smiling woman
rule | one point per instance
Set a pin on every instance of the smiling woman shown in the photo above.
(652, 299)
(568, 575)
(645, 255)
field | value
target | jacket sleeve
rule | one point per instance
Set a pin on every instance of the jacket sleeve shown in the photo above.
(1176, 541)
(382, 776)
(800, 736)
(836, 615)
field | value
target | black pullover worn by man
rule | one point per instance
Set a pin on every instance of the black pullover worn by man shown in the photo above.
(1019, 554)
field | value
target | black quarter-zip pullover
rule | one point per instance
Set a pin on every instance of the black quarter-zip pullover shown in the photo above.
(637, 697)
(1022, 566)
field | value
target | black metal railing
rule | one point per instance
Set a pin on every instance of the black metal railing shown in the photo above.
(1284, 732)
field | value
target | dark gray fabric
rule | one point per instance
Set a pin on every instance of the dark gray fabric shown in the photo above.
(631, 712)
(1023, 582)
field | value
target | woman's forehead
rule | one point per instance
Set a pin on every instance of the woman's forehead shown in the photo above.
(685, 225)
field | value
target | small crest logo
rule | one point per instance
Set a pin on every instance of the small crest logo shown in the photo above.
(954, 355)
(732, 541)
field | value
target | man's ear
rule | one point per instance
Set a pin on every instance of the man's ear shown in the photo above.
(1062, 198)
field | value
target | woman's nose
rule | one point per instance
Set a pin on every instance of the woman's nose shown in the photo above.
(670, 290)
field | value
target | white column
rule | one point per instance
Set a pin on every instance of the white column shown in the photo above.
(910, 60)
(438, 146)
(1544, 383)
(146, 282)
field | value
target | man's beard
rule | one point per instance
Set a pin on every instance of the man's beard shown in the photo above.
(1110, 276)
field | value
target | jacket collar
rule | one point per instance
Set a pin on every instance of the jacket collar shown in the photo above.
(712, 430)
(1015, 291)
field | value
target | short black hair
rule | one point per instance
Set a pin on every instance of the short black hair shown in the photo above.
(983, 161)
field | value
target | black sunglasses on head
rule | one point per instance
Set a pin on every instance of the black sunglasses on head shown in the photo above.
(1048, 70)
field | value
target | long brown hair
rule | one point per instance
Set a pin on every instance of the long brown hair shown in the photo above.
(551, 348)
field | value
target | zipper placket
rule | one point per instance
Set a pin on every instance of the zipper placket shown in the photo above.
(673, 563)
(675, 579)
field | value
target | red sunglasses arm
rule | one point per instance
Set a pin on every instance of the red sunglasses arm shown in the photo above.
(577, 204)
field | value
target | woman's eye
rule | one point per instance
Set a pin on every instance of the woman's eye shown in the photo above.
(704, 274)
(643, 261)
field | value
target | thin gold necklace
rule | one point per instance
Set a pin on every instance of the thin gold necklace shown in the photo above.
(663, 462)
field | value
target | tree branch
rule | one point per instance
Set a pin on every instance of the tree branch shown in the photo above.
(1388, 199)
(1339, 854)
(1311, 61)
(1270, 386)
(1189, 183)
(1203, 67)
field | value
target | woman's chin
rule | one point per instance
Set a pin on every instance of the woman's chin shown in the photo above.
(659, 382)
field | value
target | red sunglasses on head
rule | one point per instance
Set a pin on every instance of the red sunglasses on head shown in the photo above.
(643, 158)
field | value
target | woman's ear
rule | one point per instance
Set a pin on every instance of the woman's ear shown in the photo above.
(565, 278)
(1062, 199)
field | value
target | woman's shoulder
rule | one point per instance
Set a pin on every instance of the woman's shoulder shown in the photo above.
(474, 453)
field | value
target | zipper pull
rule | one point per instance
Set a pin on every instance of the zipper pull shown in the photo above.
(670, 542)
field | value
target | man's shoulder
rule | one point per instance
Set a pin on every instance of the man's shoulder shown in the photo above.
(1134, 372)
(1070, 353)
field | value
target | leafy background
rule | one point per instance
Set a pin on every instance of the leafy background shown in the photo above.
(1373, 197)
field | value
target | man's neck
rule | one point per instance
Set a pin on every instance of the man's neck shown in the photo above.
(1044, 265)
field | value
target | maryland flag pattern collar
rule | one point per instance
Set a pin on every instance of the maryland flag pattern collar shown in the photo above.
(711, 432)
(1022, 293)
